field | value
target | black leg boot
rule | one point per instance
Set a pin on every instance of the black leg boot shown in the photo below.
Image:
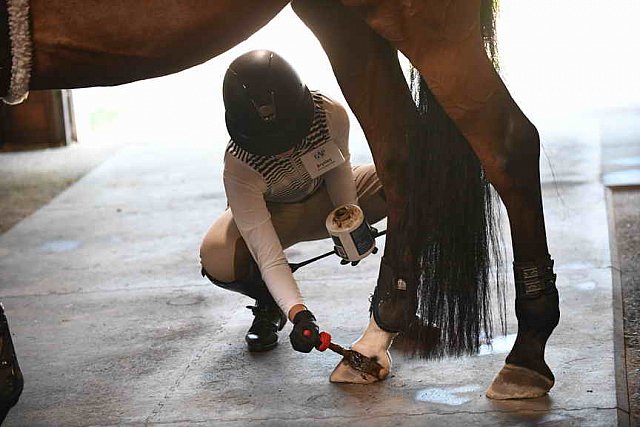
(389, 301)
(268, 318)
(11, 381)
(393, 308)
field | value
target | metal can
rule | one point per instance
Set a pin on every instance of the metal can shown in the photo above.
(350, 232)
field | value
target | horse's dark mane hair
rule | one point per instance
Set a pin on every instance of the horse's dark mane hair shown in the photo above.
(451, 232)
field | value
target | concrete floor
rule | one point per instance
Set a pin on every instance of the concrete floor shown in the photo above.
(114, 325)
(30, 179)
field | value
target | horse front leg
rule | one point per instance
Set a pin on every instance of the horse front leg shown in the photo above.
(371, 79)
(103, 43)
(443, 41)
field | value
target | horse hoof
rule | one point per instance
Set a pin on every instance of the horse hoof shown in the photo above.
(345, 373)
(516, 382)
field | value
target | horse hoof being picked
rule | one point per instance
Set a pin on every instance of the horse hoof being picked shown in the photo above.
(345, 373)
(373, 343)
(515, 382)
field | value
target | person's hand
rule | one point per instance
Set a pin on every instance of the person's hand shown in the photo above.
(305, 335)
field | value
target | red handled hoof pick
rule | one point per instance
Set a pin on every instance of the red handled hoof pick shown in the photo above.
(357, 361)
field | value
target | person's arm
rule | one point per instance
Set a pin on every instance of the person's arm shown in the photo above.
(245, 189)
(339, 181)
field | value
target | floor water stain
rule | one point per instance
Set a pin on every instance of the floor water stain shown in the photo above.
(585, 286)
(447, 396)
(547, 419)
(57, 246)
(576, 266)
(501, 344)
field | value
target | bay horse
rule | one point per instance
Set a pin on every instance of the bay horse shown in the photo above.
(437, 144)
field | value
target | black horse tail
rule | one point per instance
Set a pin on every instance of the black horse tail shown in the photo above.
(451, 231)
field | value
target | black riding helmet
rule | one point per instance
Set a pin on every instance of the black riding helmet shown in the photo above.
(268, 108)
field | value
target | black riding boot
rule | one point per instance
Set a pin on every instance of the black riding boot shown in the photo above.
(268, 318)
(263, 333)
(11, 381)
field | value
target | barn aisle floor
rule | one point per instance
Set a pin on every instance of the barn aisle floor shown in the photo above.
(113, 324)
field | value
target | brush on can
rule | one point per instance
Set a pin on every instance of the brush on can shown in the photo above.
(350, 232)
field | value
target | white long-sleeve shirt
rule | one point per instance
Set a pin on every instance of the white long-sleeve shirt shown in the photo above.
(252, 180)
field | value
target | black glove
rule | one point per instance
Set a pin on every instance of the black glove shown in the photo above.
(304, 321)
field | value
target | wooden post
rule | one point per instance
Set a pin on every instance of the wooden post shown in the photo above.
(44, 120)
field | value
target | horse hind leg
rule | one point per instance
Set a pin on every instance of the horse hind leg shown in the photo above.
(508, 146)
(10, 373)
(513, 169)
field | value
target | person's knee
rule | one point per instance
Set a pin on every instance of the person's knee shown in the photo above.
(214, 266)
(231, 285)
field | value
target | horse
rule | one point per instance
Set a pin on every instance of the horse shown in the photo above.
(438, 145)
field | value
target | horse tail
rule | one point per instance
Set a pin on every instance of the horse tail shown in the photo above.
(456, 253)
